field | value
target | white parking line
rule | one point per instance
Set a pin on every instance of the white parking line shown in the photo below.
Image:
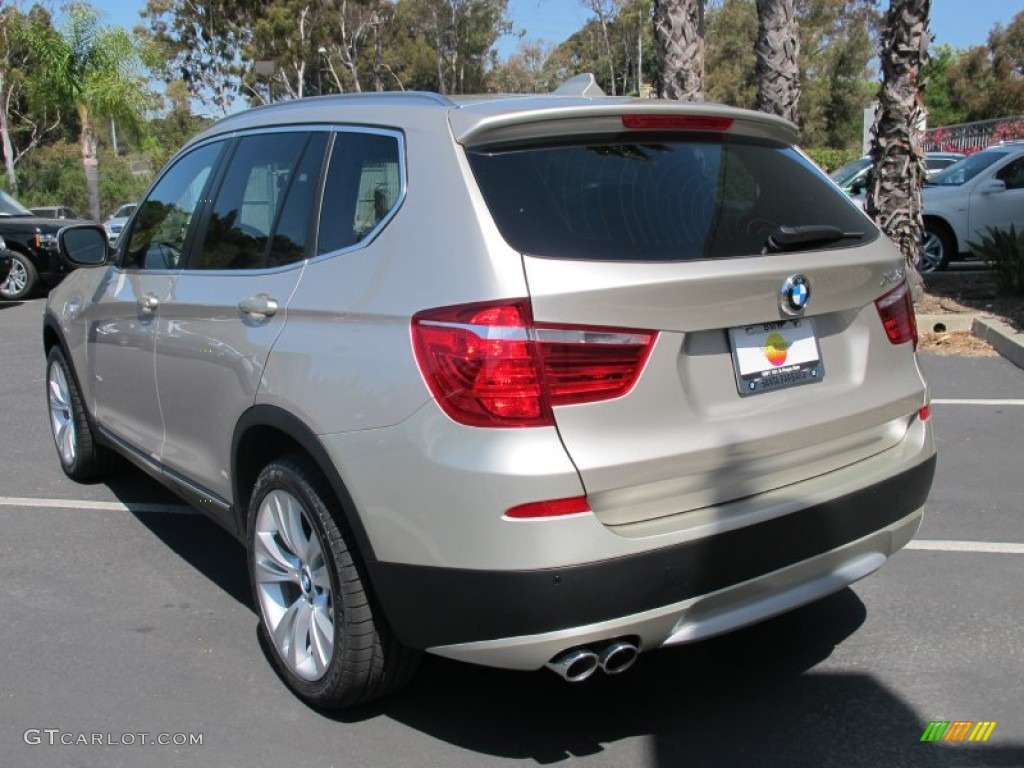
(987, 547)
(100, 506)
(954, 401)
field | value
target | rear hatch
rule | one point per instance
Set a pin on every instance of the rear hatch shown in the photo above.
(771, 361)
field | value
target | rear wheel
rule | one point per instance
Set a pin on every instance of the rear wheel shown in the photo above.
(328, 641)
(21, 280)
(937, 248)
(80, 456)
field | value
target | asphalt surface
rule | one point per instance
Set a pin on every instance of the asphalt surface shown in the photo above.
(122, 626)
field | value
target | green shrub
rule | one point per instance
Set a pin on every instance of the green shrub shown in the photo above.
(1003, 251)
(832, 159)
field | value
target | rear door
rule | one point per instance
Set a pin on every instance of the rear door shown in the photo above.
(752, 384)
(230, 303)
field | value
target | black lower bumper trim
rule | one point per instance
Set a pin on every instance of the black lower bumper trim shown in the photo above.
(429, 606)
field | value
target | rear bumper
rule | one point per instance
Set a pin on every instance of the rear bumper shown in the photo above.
(679, 593)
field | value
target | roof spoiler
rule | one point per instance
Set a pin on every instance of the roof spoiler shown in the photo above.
(581, 85)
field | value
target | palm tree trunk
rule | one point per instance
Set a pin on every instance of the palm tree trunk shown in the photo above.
(679, 32)
(894, 193)
(5, 133)
(87, 141)
(778, 58)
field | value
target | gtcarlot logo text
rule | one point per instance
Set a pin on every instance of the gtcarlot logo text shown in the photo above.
(55, 736)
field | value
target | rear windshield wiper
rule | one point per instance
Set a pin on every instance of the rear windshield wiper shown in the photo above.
(794, 238)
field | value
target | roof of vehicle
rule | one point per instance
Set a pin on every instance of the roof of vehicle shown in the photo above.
(502, 117)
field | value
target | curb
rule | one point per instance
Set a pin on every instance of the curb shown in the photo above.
(1004, 339)
(963, 321)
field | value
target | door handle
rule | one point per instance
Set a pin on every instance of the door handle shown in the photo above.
(259, 306)
(148, 303)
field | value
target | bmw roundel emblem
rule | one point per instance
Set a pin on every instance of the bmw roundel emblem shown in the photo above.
(795, 294)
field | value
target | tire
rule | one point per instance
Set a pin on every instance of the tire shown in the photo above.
(937, 248)
(21, 281)
(327, 639)
(81, 458)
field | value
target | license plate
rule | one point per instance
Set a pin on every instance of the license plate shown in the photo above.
(776, 355)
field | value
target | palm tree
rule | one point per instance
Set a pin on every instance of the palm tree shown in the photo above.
(97, 70)
(778, 58)
(679, 32)
(894, 194)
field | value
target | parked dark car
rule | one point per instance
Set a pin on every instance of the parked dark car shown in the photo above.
(32, 242)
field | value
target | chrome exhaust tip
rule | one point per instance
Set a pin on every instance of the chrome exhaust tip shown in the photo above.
(617, 657)
(574, 666)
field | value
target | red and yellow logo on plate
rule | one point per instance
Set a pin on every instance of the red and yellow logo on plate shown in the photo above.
(776, 348)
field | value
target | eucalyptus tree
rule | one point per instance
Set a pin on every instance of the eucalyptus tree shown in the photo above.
(202, 45)
(894, 194)
(97, 69)
(679, 38)
(778, 58)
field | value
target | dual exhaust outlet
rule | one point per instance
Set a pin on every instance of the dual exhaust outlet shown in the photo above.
(577, 664)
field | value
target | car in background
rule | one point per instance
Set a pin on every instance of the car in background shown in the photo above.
(115, 223)
(54, 212)
(525, 382)
(32, 242)
(853, 177)
(984, 190)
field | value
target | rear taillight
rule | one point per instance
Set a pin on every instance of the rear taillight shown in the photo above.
(490, 365)
(897, 312)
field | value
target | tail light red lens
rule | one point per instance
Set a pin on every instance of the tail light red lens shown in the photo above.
(896, 309)
(490, 365)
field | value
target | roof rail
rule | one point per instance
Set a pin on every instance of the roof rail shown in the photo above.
(581, 85)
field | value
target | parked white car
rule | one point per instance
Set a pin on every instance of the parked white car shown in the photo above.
(116, 222)
(983, 190)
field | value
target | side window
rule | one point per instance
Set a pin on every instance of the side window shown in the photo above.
(157, 237)
(265, 170)
(1013, 174)
(363, 185)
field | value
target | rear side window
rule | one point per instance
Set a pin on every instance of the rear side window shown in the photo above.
(364, 184)
(657, 199)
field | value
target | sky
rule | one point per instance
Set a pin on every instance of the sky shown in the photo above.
(959, 23)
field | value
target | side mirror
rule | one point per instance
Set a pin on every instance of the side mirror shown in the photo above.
(991, 186)
(84, 245)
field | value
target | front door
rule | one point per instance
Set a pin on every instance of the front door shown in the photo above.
(150, 262)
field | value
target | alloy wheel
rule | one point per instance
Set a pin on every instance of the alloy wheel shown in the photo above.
(932, 251)
(293, 585)
(16, 280)
(62, 418)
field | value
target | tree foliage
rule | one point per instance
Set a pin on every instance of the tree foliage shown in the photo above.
(984, 82)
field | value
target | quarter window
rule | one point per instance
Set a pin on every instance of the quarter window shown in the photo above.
(363, 186)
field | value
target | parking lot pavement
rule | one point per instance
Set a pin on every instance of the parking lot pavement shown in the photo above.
(126, 620)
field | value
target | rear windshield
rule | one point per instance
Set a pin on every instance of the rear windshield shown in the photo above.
(659, 198)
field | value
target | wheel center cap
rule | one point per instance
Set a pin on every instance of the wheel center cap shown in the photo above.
(306, 581)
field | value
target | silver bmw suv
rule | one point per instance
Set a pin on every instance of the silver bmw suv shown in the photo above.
(519, 381)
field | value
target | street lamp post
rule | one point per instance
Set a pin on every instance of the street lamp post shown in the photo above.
(320, 70)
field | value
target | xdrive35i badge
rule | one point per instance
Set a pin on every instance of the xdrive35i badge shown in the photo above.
(795, 294)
